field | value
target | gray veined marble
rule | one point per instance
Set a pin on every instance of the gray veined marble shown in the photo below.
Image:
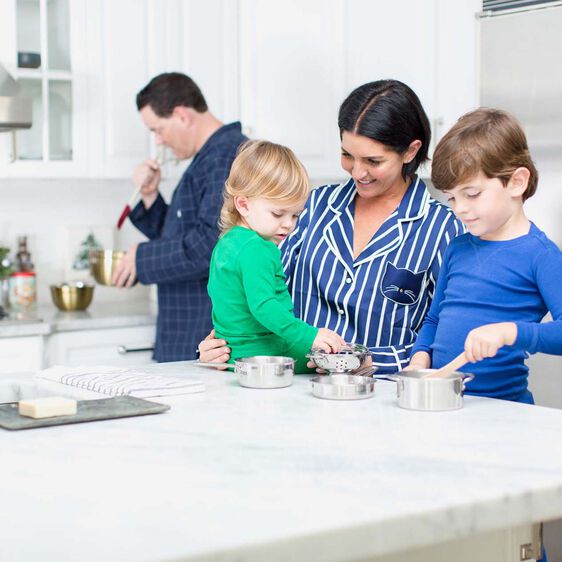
(277, 475)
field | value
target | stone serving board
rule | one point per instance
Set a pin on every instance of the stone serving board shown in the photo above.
(87, 410)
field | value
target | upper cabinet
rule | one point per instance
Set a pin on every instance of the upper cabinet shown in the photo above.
(40, 49)
(282, 68)
(298, 61)
(292, 56)
(82, 64)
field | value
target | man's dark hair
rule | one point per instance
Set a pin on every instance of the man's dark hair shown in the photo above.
(169, 90)
(389, 112)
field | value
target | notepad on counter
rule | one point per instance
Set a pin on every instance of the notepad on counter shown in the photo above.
(120, 381)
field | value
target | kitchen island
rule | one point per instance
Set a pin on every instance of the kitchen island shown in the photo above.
(278, 475)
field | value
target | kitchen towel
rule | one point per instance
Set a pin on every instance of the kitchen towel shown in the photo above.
(119, 381)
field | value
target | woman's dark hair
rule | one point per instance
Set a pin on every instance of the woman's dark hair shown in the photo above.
(391, 113)
(169, 90)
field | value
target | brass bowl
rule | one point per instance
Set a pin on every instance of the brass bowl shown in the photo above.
(103, 264)
(72, 296)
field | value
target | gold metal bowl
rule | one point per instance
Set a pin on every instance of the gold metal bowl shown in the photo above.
(72, 296)
(103, 264)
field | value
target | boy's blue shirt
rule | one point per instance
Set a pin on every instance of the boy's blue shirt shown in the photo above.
(483, 282)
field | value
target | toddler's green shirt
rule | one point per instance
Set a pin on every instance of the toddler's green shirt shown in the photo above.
(252, 308)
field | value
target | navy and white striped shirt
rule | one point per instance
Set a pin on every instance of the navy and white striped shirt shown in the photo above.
(379, 299)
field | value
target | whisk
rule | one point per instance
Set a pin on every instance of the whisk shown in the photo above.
(160, 159)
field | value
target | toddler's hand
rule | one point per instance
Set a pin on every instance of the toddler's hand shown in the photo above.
(485, 341)
(328, 341)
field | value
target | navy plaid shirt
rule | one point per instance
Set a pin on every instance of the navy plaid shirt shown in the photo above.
(182, 237)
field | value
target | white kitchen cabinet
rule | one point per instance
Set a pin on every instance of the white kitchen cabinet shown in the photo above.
(283, 69)
(53, 30)
(291, 77)
(114, 49)
(21, 354)
(431, 46)
(298, 61)
(109, 346)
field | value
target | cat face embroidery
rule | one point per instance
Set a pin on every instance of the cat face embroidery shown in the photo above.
(401, 285)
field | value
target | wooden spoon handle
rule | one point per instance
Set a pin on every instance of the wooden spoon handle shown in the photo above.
(450, 367)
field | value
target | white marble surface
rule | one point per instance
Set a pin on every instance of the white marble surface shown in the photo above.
(49, 319)
(276, 475)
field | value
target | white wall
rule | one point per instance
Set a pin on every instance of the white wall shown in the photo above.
(43, 209)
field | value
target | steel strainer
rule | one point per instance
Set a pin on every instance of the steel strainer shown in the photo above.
(350, 357)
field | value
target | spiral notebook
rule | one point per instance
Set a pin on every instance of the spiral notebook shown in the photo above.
(119, 381)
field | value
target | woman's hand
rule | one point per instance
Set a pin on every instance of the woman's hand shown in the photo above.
(485, 341)
(420, 360)
(328, 341)
(213, 350)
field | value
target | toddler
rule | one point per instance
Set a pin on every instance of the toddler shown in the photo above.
(264, 194)
(500, 279)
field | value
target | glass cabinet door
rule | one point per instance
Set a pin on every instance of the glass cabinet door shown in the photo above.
(44, 72)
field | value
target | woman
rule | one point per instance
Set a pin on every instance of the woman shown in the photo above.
(365, 255)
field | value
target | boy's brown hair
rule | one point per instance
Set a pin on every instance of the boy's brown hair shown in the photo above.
(486, 140)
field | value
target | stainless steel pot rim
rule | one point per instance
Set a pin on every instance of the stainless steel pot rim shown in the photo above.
(343, 379)
(421, 373)
(343, 387)
(266, 360)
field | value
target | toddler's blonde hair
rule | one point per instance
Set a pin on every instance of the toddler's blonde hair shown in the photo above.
(263, 169)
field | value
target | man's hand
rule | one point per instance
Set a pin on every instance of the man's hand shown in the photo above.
(485, 341)
(213, 350)
(125, 273)
(147, 178)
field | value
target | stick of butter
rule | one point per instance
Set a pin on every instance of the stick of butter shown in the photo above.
(47, 407)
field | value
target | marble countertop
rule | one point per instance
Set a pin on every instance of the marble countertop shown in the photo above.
(276, 475)
(48, 319)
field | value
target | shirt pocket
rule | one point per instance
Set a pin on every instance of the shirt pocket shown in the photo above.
(401, 285)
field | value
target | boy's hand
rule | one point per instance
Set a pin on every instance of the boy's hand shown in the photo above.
(420, 360)
(328, 341)
(485, 341)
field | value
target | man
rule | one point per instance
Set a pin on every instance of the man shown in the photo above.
(182, 234)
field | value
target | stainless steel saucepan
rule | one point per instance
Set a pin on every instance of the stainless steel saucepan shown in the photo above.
(418, 391)
(261, 371)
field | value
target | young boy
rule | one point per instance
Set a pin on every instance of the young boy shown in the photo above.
(500, 279)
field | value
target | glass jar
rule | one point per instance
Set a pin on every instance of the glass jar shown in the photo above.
(22, 290)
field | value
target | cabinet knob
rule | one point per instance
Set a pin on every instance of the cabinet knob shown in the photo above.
(123, 349)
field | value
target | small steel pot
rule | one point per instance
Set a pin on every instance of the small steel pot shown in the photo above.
(343, 387)
(261, 371)
(416, 391)
(265, 371)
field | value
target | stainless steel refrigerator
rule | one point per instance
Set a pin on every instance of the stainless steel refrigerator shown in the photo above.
(521, 71)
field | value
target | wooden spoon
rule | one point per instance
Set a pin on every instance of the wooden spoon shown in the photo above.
(449, 368)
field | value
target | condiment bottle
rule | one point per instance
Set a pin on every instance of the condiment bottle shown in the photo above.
(23, 257)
